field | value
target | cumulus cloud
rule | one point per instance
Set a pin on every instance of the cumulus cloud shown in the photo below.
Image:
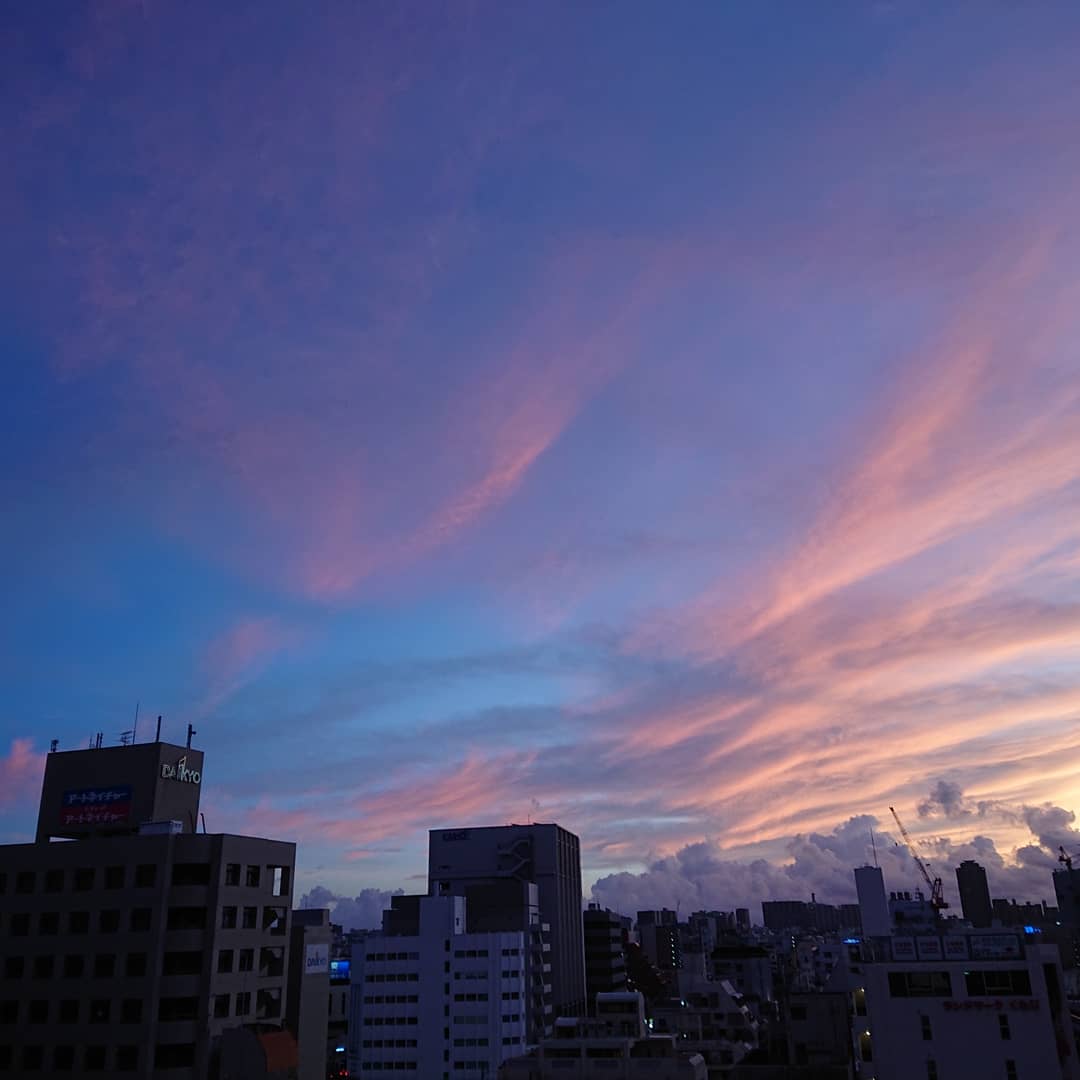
(700, 875)
(360, 912)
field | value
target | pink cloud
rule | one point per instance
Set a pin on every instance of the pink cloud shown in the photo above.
(21, 770)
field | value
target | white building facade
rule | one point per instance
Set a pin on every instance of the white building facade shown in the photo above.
(949, 1006)
(441, 1002)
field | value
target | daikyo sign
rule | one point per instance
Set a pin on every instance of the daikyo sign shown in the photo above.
(180, 772)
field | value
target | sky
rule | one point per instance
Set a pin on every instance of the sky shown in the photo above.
(661, 422)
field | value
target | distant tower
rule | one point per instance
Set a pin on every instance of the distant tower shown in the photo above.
(873, 905)
(974, 893)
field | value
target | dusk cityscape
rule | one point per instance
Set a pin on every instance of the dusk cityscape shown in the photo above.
(543, 540)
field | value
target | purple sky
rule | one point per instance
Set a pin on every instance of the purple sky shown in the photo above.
(665, 422)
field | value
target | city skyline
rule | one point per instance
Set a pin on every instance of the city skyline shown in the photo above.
(666, 427)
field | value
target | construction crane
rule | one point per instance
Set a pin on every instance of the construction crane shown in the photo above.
(937, 898)
(1065, 858)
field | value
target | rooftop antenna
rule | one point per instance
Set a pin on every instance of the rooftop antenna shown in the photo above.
(135, 725)
(54, 746)
(190, 731)
(157, 737)
(126, 737)
(203, 816)
(873, 844)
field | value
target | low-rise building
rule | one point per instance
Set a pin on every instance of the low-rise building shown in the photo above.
(616, 1044)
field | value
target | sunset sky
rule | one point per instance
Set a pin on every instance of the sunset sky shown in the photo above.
(659, 419)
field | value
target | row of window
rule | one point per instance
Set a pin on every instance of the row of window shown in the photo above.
(393, 1044)
(392, 956)
(84, 878)
(98, 1011)
(977, 983)
(267, 1004)
(470, 954)
(79, 922)
(74, 966)
(389, 1021)
(391, 999)
(388, 1066)
(393, 976)
(63, 1058)
(470, 997)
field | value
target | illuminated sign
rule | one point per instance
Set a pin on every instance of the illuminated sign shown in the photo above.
(316, 959)
(180, 772)
(96, 806)
(995, 947)
(339, 970)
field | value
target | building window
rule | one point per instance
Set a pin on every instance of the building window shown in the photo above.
(136, 964)
(104, 965)
(221, 1005)
(250, 918)
(69, 1011)
(79, 922)
(38, 1012)
(998, 983)
(74, 966)
(14, 967)
(268, 1003)
(931, 1069)
(243, 1003)
(54, 881)
(247, 960)
(43, 966)
(1003, 1028)
(140, 919)
(19, 925)
(228, 918)
(145, 875)
(920, 984)
(253, 874)
(114, 877)
(99, 1011)
(225, 961)
(275, 919)
(191, 874)
(64, 1058)
(33, 1057)
(174, 1055)
(109, 921)
(84, 879)
(178, 1008)
(131, 1010)
(1010, 1070)
(927, 1030)
(232, 873)
(271, 961)
(127, 1058)
(280, 876)
(24, 882)
(94, 1059)
(9, 1012)
(49, 922)
(186, 918)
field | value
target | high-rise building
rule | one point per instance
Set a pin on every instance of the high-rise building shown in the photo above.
(605, 960)
(661, 942)
(140, 948)
(974, 893)
(873, 904)
(1067, 891)
(430, 999)
(545, 854)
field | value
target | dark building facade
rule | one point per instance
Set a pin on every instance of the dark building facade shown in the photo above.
(974, 892)
(135, 949)
(546, 854)
(605, 958)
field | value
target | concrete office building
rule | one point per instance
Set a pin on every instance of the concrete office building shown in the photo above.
(545, 854)
(974, 894)
(957, 1005)
(429, 999)
(605, 959)
(614, 1045)
(134, 949)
